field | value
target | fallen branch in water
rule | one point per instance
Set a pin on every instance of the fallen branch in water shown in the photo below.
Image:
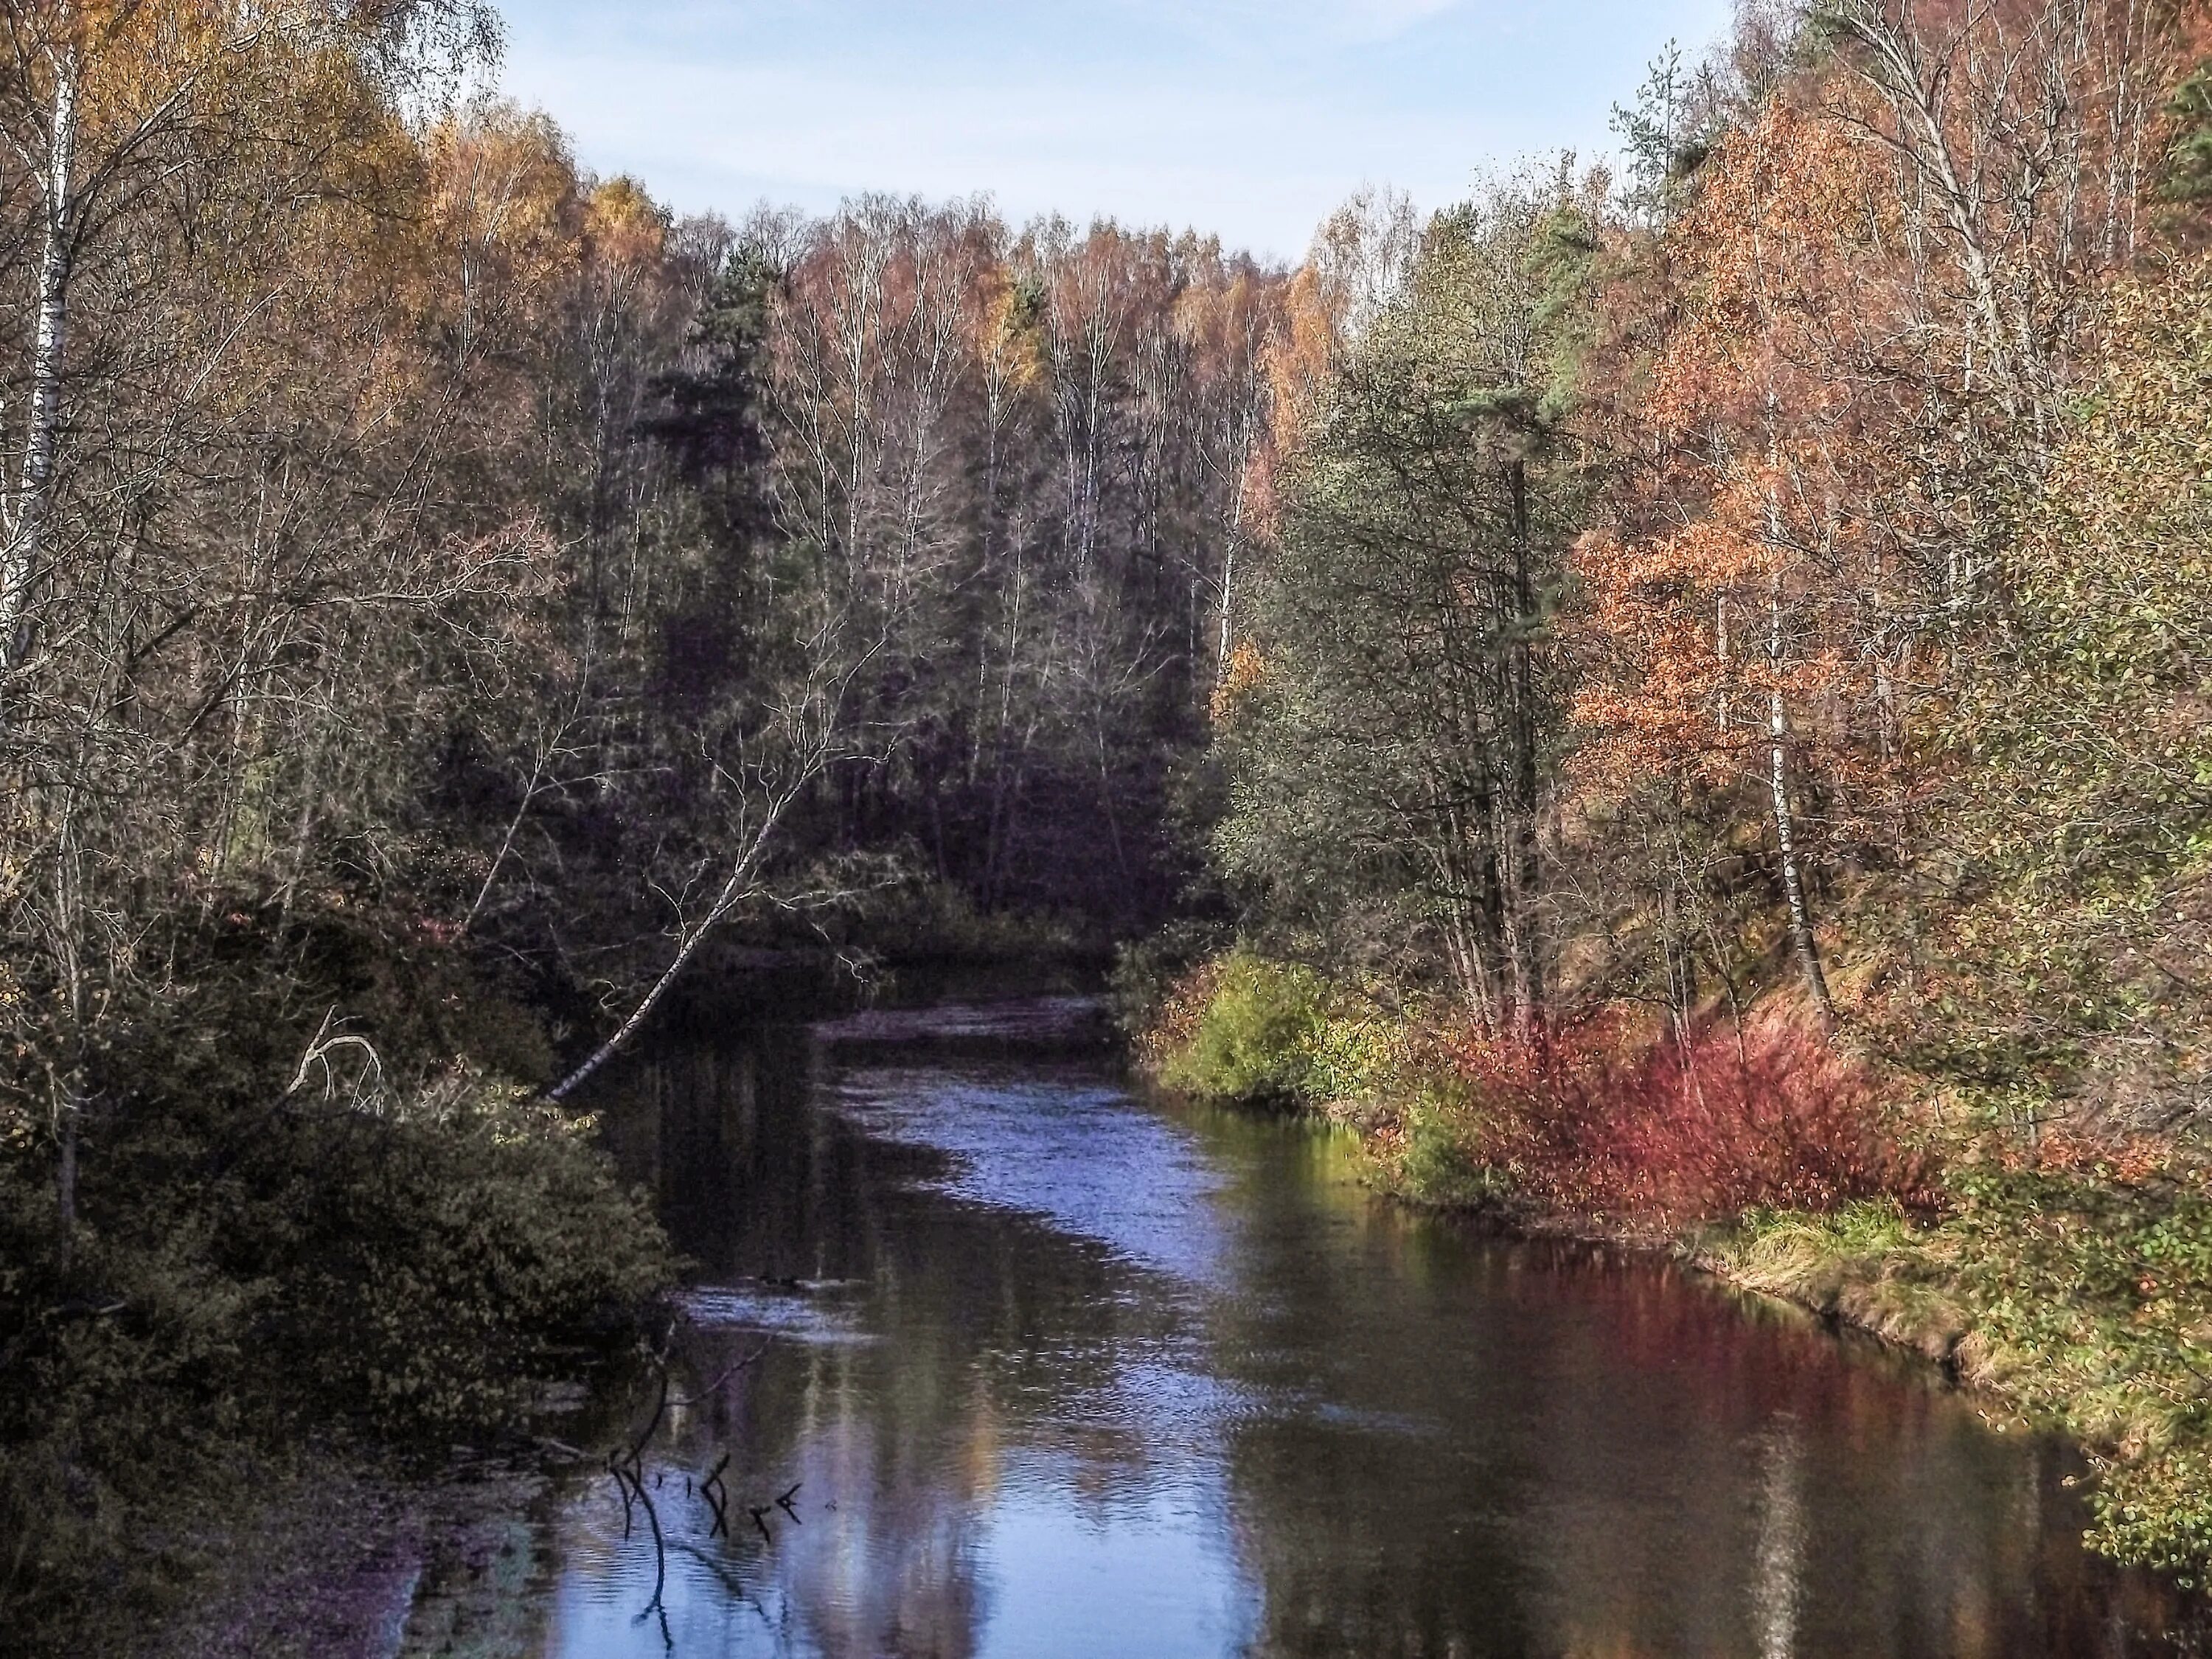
(728, 1372)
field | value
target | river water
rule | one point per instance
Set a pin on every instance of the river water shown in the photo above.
(1059, 1371)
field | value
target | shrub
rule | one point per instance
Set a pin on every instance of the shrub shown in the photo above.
(1602, 1118)
(453, 1254)
(1243, 1028)
(1359, 1056)
(1439, 1152)
(244, 1275)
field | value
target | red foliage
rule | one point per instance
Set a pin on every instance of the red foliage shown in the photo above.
(1599, 1118)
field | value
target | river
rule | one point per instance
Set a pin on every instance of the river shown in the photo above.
(1058, 1371)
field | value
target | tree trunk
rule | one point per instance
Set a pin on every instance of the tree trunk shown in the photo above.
(26, 543)
(1228, 580)
(1523, 855)
(1785, 825)
(735, 891)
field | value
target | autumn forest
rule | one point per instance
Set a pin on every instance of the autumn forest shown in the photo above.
(1668, 698)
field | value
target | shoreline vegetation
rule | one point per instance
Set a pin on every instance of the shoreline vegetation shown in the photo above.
(1718, 747)
(1690, 680)
(2071, 1283)
(333, 1434)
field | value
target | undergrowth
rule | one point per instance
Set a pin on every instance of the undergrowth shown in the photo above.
(2073, 1280)
(257, 1270)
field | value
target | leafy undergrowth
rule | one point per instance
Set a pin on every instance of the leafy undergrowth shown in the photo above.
(386, 1268)
(2075, 1281)
(1602, 1118)
(2077, 1285)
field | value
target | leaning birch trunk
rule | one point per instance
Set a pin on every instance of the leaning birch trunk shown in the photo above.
(26, 540)
(740, 887)
(1785, 822)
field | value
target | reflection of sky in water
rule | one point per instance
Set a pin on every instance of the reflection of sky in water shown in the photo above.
(1098, 1525)
(1056, 1571)
(1098, 1381)
(792, 1315)
(1148, 1572)
(1068, 1148)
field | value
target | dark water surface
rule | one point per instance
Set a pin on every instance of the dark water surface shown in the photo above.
(1061, 1371)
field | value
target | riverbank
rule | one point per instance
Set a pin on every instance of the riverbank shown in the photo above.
(310, 1267)
(1057, 1368)
(339, 1557)
(2069, 1284)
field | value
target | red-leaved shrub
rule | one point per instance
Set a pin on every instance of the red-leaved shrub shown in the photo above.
(1604, 1118)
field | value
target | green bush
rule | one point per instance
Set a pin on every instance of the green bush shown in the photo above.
(453, 1257)
(2091, 1290)
(248, 1280)
(1359, 1054)
(1440, 1159)
(1255, 1038)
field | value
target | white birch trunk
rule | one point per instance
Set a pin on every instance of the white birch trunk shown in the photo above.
(739, 886)
(26, 530)
(1785, 820)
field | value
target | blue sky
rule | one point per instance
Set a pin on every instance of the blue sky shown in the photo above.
(1249, 117)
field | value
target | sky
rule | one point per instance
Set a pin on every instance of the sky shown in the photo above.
(1249, 119)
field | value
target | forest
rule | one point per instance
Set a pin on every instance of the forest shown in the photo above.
(1671, 700)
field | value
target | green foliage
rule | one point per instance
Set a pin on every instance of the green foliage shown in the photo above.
(455, 1257)
(2079, 828)
(1254, 1040)
(1441, 1158)
(1660, 143)
(1357, 1053)
(2091, 1295)
(2186, 174)
(403, 1259)
(1383, 769)
(2083, 1294)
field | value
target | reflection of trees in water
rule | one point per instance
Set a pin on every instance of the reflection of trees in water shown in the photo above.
(987, 1325)
(1588, 1454)
(1778, 1561)
(1457, 1447)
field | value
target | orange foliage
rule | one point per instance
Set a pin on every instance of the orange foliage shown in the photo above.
(1769, 433)
(1241, 676)
(1300, 358)
(504, 201)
